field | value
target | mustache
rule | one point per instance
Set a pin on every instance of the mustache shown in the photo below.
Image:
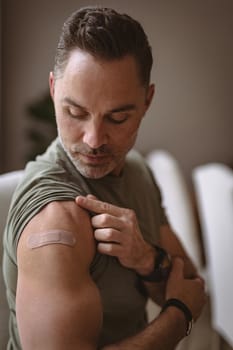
(85, 150)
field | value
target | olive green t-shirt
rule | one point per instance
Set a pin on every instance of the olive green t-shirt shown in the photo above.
(53, 176)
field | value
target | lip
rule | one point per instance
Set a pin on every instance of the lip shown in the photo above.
(94, 159)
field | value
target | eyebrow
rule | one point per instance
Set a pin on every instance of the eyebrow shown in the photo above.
(122, 108)
(73, 103)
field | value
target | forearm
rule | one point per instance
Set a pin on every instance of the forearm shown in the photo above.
(172, 324)
(172, 244)
(156, 291)
(164, 332)
(174, 248)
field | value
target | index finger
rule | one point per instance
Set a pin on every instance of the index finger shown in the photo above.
(97, 206)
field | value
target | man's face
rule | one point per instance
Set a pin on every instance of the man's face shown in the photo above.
(99, 106)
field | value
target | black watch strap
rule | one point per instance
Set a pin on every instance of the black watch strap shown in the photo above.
(160, 272)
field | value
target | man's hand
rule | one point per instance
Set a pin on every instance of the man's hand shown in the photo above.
(118, 233)
(190, 291)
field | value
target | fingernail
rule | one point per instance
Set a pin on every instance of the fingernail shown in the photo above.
(91, 196)
(78, 198)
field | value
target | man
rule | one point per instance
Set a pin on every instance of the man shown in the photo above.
(87, 240)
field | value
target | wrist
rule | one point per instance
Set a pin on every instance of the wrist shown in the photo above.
(147, 261)
(161, 266)
(178, 306)
(176, 318)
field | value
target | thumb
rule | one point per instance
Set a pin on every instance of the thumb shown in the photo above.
(177, 271)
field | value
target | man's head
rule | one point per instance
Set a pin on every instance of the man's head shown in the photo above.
(100, 89)
(106, 35)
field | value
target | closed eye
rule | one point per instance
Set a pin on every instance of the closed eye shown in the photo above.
(76, 114)
(117, 118)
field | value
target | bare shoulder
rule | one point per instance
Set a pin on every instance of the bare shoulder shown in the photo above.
(60, 216)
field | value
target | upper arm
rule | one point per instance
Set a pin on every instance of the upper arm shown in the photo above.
(57, 303)
(170, 241)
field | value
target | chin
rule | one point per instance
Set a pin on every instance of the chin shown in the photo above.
(91, 172)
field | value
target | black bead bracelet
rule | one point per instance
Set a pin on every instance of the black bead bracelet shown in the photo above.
(180, 305)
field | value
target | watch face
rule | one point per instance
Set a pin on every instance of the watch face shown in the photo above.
(166, 261)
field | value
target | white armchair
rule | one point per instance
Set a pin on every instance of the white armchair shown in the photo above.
(180, 211)
(8, 183)
(214, 189)
(177, 201)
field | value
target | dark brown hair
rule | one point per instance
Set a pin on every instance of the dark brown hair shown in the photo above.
(106, 35)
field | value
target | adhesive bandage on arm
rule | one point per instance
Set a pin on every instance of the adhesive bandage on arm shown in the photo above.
(40, 239)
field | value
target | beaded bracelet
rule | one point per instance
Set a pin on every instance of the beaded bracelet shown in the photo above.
(180, 305)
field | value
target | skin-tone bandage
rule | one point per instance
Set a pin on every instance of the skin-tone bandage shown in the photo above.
(41, 239)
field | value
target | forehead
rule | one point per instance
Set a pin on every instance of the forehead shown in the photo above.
(85, 67)
(100, 85)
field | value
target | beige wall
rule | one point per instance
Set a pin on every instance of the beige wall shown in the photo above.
(192, 114)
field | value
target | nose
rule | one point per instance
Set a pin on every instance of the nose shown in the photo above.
(95, 135)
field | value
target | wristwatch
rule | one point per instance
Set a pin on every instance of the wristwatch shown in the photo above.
(162, 266)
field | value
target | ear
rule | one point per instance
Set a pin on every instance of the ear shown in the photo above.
(149, 96)
(51, 84)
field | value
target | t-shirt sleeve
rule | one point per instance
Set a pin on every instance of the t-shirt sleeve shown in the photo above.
(162, 212)
(28, 201)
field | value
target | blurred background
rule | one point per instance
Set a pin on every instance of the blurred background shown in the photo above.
(191, 118)
(192, 112)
